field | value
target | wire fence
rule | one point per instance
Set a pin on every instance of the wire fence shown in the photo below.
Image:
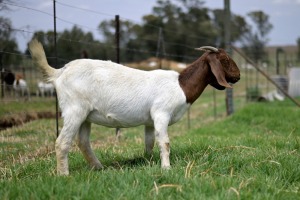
(253, 85)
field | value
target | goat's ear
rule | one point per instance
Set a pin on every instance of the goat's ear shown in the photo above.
(216, 68)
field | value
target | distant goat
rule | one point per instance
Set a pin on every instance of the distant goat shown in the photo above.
(20, 87)
(8, 80)
(112, 95)
(45, 89)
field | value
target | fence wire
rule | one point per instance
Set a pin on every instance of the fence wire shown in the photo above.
(210, 106)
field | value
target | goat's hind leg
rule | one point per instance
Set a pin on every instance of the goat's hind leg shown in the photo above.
(149, 140)
(72, 123)
(83, 141)
(62, 147)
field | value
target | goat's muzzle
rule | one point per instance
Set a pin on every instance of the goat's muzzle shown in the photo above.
(235, 79)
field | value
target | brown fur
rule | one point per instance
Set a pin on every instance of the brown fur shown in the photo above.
(216, 69)
(18, 77)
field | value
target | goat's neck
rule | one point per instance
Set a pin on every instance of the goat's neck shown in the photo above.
(194, 79)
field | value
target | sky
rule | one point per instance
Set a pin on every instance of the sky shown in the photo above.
(34, 15)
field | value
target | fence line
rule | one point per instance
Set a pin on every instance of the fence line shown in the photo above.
(95, 12)
(31, 72)
(101, 44)
(267, 76)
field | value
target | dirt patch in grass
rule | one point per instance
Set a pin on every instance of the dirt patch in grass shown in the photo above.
(18, 119)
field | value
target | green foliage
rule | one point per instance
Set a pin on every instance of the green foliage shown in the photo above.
(185, 24)
(33, 105)
(69, 48)
(7, 44)
(71, 45)
(253, 154)
(238, 27)
(256, 38)
(253, 93)
(172, 18)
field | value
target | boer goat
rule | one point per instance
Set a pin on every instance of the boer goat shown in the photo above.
(20, 87)
(113, 95)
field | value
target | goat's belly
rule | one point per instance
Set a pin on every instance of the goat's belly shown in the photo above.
(118, 121)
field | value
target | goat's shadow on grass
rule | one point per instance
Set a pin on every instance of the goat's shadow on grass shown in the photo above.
(121, 163)
(140, 161)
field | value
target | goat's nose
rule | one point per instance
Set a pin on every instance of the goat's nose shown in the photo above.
(235, 79)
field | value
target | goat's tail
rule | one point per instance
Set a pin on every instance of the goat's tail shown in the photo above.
(39, 58)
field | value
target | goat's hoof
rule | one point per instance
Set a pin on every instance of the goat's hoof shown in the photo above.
(97, 167)
(63, 173)
(166, 167)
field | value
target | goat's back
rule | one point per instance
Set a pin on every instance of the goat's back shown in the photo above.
(107, 89)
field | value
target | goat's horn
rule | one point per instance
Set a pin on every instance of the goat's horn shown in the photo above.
(207, 48)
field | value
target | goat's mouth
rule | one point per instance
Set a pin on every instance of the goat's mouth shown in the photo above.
(217, 86)
(230, 81)
(233, 80)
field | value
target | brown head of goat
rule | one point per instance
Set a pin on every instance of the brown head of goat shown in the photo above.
(214, 67)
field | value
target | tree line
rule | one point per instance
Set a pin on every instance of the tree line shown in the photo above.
(183, 23)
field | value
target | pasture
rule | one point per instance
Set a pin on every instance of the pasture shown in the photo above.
(254, 154)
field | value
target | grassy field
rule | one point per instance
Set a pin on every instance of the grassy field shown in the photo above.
(253, 154)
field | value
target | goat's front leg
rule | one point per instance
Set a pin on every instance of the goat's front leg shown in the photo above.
(161, 123)
(149, 140)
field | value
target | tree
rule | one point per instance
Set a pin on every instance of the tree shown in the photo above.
(70, 45)
(128, 31)
(185, 25)
(7, 41)
(256, 38)
(8, 45)
(238, 28)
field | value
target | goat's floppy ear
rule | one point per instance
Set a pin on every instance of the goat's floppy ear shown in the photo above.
(216, 68)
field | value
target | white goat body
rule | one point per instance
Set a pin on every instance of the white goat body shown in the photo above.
(20, 87)
(110, 94)
(113, 95)
(45, 89)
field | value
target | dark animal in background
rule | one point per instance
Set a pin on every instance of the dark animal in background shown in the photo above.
(8, 80)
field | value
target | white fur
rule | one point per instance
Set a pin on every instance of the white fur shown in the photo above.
(112, 95)
(45, 89)
(21, 88)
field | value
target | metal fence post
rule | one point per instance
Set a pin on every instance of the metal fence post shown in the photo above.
(117, 41)
(56, 66)
(229, 91)
(2, 76)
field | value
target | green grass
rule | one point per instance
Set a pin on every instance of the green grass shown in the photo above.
(35, 104)
(254, 154)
